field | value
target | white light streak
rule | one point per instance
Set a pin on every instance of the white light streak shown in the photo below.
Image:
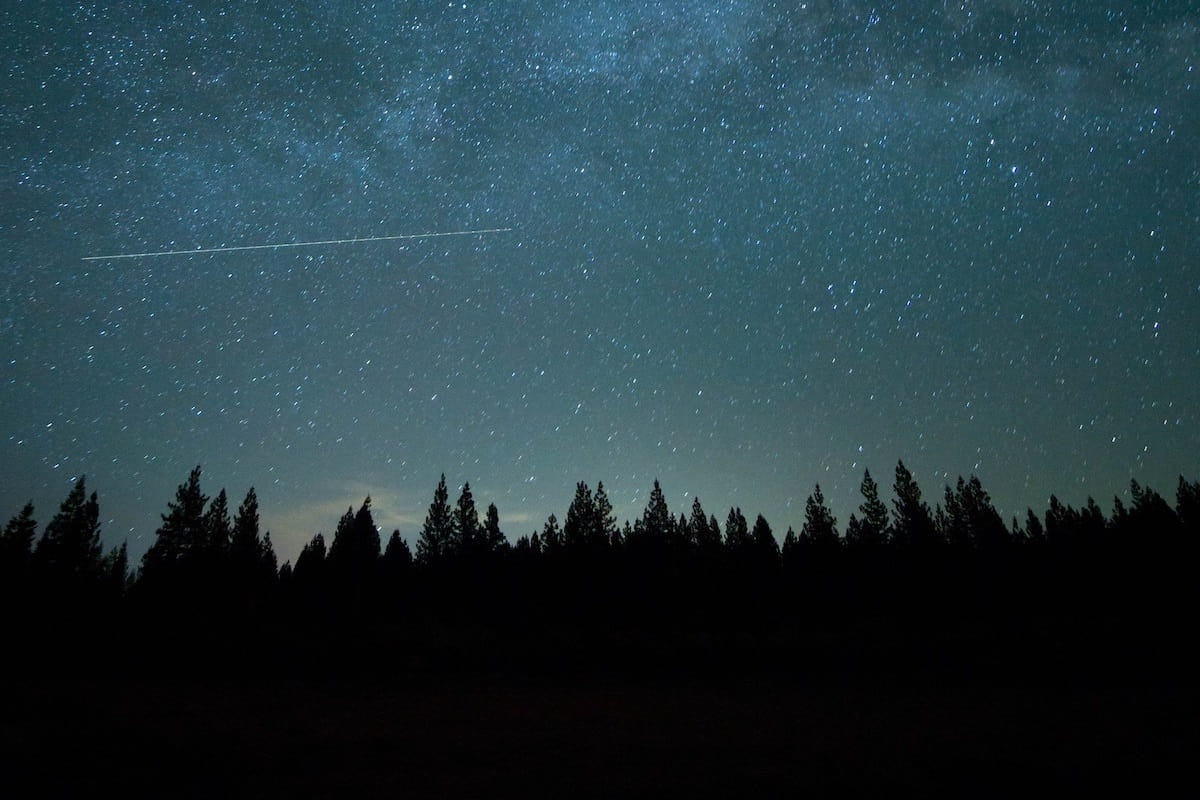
(280, 246)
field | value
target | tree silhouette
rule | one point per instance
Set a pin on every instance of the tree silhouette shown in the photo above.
(913, 527)
(579, 521)
(968, 519)
(603, 528)
(435, 541)
(552, 537)
(871, 529)
(737, 532)
(70, 548)
(656, 531)
(217, 528)
(762, 540)
(252, 558)
(397, 558)
(355, 548)
(310, 564)
(705, 535)
(175, 540)
(16, 546)
(819, 531)
(493, 540)
(466, 535)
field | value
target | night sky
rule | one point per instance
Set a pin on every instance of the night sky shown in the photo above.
(756, 245)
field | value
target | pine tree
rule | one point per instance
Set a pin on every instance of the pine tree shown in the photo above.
(706, 538)
(70, 546)
(494, 540)
(737, 532)
(397, 558)
(1151, 515)
(268, 562)
(762, 540)
(657, 521)
(792, 551)
(874, 524)
(819, 530)
(252, 558)
(355, 549)
(464, 523)
(951, 519)
(603, 529)
(1035, 532)
(552, 538)
(16, 545)
(309, 571)
(434, 542)
(182, 527)
(217, 528)
(577, 527)
(914, 527)
(985, 526)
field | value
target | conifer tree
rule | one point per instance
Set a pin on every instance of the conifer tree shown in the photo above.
(397, 558)
(870, 529)
(914, 527)
(16, 544)
(657, 521)
(792, 550)
(706, 538)
(580, 519)
(1035, 532)
(552, 538)
(494, 540)
(309, 572)
(182, 527)
(70, 546)
(466, 533)
(252, 557)
(819, 530)
(762, 540)
(217, 528)
(355, 548)
(434, 541)
(604, 525)
(737, 531)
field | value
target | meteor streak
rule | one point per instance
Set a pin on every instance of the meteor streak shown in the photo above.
(199, 250)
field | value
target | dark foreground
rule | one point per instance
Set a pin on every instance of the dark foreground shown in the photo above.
(593, 736)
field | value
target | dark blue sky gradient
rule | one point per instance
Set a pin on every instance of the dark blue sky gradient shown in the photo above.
(757, 246)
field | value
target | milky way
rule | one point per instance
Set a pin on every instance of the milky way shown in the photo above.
(755, 246)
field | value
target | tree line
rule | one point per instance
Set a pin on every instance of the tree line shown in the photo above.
(927, 567)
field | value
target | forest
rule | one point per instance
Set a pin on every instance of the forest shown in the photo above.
(911, 589)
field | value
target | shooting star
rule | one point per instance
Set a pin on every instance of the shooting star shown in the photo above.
(280, 246)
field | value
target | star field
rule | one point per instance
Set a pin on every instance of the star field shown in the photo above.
(756, 246)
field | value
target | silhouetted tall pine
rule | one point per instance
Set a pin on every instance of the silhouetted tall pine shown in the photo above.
(183, 527)
(913, 528)
(16, 550)
(869, 530)
(466, 535)
(69, 551)
(493, 539)
(819, 533)
(435, 542)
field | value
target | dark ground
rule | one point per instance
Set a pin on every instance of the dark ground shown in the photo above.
(591, 736)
